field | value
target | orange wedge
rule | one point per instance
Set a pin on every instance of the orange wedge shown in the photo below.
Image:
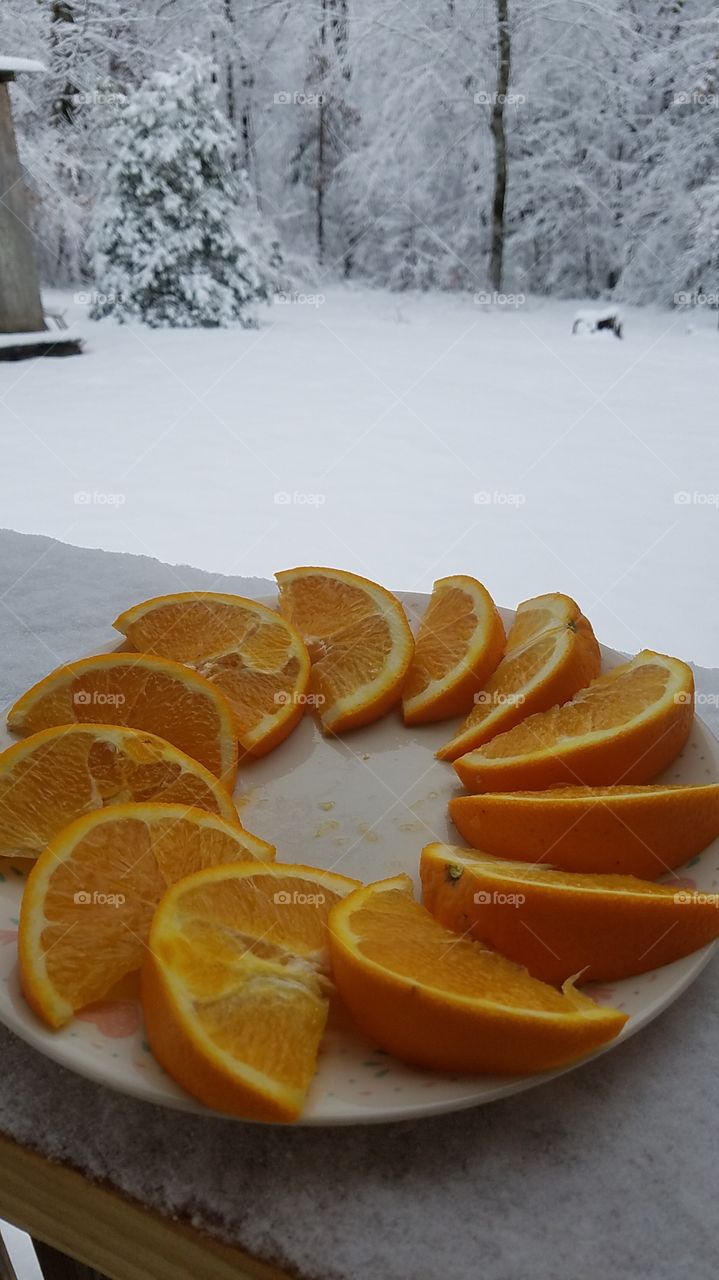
(551, 653)
(52, 777)
(359, 642)
(247, 651)
(625, 727)
(436, 999)
(141, 691)
(639, 831)
(234, 985)
(89, 900)
(558, 923)
(460, 641)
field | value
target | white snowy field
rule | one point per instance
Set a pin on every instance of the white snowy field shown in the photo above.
(404, 437)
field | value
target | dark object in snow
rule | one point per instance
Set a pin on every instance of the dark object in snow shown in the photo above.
(609, 320)
(41, 344)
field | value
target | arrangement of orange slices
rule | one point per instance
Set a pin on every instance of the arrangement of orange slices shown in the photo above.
(118, 796)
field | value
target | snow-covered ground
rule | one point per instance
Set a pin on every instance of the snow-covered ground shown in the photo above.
(404, 437)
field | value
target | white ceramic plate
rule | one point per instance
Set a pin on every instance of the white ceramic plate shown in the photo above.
(363, 805)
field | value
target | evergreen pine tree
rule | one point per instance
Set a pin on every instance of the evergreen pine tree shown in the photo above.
(172, 247)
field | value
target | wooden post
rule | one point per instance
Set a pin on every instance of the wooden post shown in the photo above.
(20, 301)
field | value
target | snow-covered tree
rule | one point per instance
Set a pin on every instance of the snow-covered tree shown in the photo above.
(172, 249)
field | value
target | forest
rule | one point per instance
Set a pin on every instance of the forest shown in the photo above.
(564, 148)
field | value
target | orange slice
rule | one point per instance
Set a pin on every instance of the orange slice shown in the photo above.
(558, 923)
(625, 727)
(639, 831)
(234, 985)
(359, 642)
(247, 651)
(460, 641)
(141, 691)
(436, 999)
(551, 653)
(89, 900)
(53, 777)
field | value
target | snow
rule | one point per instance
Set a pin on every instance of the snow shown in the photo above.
(400, 436)
(19, 64)
(49, 336)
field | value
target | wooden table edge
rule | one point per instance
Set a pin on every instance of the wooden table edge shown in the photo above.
(107, 1230)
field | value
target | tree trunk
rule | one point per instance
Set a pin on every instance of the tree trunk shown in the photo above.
(20, 302)
(247, 129)
(499, 139)
(322, 138)
(63, 108)
(321, 179)
(614, 273)
(230, 103)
